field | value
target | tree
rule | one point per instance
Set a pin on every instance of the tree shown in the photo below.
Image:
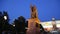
(0, 22)
(5, 22)
(20, 24)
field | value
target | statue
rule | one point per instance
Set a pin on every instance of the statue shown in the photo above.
(33, 22)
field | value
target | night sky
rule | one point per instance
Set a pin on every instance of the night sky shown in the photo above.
(46, 8)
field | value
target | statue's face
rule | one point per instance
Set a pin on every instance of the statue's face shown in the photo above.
(33, 9)
(33, 13)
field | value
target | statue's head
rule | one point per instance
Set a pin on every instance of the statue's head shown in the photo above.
(33, 8)
(33, 11)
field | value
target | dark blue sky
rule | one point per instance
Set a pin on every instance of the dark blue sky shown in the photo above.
(46, 8)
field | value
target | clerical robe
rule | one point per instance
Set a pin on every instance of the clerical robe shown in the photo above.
(32, 29)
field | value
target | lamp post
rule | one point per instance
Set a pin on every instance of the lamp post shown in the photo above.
(5, 17)
(53, 21)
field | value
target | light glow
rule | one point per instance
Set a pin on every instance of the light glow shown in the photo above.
(5, 17)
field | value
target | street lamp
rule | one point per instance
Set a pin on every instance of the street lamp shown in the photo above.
(14, 25)
(53, 21)
(5, 17)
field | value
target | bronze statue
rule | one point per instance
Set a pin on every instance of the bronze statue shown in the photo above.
(33, 22)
